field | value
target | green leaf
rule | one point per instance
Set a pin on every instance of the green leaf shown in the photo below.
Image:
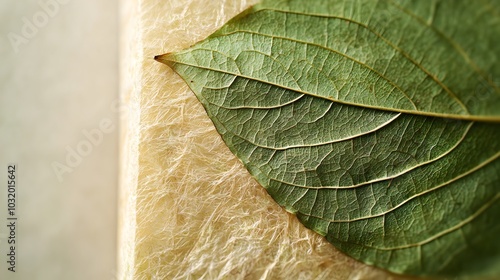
(376, 122)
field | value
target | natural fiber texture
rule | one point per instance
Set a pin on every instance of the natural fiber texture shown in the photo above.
(189, 208)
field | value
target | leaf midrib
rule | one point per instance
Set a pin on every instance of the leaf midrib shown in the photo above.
(168, 60)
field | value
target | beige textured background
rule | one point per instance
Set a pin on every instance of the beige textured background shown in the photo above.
(189, 208)
(63, 81)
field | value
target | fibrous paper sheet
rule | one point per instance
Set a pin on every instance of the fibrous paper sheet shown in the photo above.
(189, 209)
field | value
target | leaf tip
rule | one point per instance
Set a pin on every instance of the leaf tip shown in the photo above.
(165, 59)
(157, 57)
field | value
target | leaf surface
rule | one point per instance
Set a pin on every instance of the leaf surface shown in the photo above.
(376, 122)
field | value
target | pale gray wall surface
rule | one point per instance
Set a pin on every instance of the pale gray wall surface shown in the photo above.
(58, 84)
